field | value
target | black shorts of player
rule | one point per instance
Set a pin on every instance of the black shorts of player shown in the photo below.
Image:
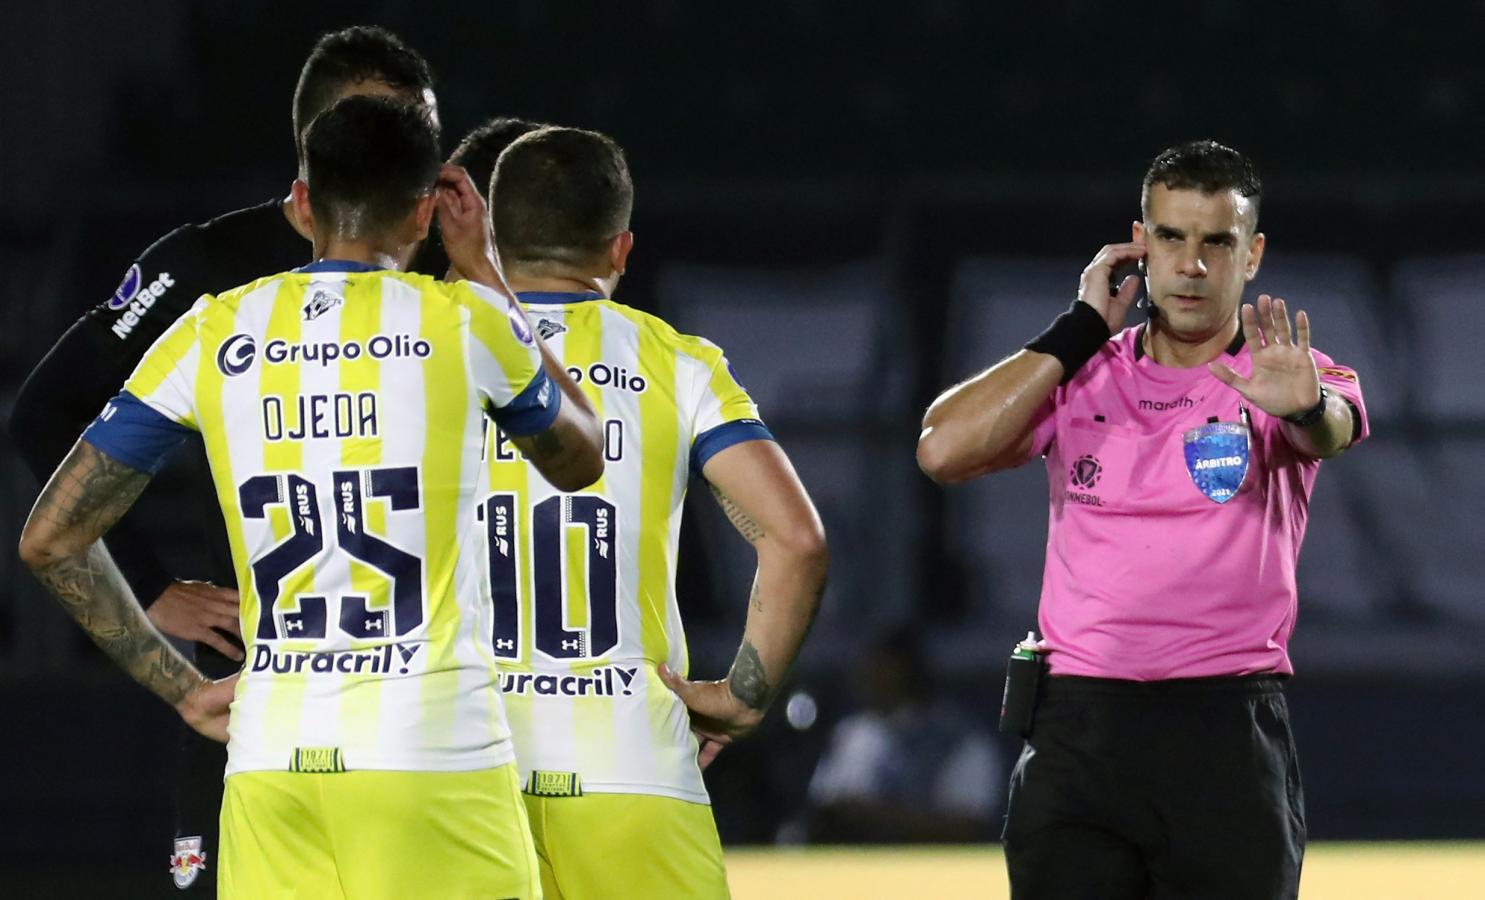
(1157, 791)
(198, 789)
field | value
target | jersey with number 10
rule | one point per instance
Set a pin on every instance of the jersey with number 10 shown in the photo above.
(584, 584)
(343, 415)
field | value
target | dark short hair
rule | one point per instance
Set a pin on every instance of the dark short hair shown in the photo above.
(480, 149)
(367, 160)
(1205, 166)
(344, 57)
(560, 195)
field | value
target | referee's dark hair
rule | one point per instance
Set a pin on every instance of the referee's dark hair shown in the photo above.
(560, 195)
(1205, 166)
(357, 54)
(367, 161)
(480, 149)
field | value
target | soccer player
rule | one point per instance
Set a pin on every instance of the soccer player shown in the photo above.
(478, 152)
(586, 627)
(90, 361)
(1160, 762)
(342, 406)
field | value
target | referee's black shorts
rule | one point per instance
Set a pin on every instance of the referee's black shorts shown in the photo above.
(1162, 790)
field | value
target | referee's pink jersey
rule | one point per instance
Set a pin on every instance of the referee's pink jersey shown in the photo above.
(1177, 514)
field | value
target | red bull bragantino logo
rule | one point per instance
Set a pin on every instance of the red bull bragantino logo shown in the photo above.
(187, 862)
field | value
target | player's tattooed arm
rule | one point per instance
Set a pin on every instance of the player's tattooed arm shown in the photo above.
(86, 496)
(747, 679)
(751, 531)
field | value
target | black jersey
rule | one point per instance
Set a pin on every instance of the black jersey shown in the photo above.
(175, 530)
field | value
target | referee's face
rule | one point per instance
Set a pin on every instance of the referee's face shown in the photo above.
(1200, 251)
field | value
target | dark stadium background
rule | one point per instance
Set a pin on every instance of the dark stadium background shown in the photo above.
(847, 193)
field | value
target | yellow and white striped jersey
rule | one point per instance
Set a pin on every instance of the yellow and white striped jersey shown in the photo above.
(584, 584)
(343, 412)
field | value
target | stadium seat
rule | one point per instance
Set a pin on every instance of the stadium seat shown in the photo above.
(1441, 298)
(816, 345)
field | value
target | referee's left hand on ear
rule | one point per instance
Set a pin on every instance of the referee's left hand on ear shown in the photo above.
(1284, 380)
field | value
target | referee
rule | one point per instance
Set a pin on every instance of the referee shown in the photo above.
(190, 599)
(1180, 457)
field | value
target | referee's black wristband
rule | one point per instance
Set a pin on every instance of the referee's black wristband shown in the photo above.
(1073, 338)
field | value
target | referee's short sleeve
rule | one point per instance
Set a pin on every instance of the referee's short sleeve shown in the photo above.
(1346, 383)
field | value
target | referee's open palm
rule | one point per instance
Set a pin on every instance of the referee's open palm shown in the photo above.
(1284, 380)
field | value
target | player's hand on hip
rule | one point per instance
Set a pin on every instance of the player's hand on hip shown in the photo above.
(1284, 380)
(464, 221)
(1093, 289)
(199, 611)
(206, 707)
(718, 717)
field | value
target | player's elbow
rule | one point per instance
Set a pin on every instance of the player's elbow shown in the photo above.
(39, 546)
(804, 543)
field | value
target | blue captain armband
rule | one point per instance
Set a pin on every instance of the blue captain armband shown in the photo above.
(531, 411)
(135, 433)
(713, 441)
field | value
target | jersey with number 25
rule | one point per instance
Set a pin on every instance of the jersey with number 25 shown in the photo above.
(343, 412)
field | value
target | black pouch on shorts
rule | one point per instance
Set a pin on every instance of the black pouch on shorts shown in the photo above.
(1023, 676)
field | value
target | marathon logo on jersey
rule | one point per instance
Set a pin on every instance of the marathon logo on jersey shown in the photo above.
(135, 298)
(187, 861)
(321, 302)
(549, 329)
(236, 354)
(385, 659)
(1217, 458)
(1166, 405)
(381, 346)
(605, 681)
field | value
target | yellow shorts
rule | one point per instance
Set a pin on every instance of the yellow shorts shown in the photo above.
(367, 835)
(622, 846)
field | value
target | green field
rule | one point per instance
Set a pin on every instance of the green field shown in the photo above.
(1394, 871)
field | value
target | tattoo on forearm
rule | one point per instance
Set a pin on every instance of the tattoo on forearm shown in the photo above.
(89, 493)
(750, 530)
(748, 680)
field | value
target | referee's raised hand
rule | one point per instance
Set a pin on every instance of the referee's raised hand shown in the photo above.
(1284, 380)
(1093, 288)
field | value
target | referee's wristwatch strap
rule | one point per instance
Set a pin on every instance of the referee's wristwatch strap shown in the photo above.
(1313, 414)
